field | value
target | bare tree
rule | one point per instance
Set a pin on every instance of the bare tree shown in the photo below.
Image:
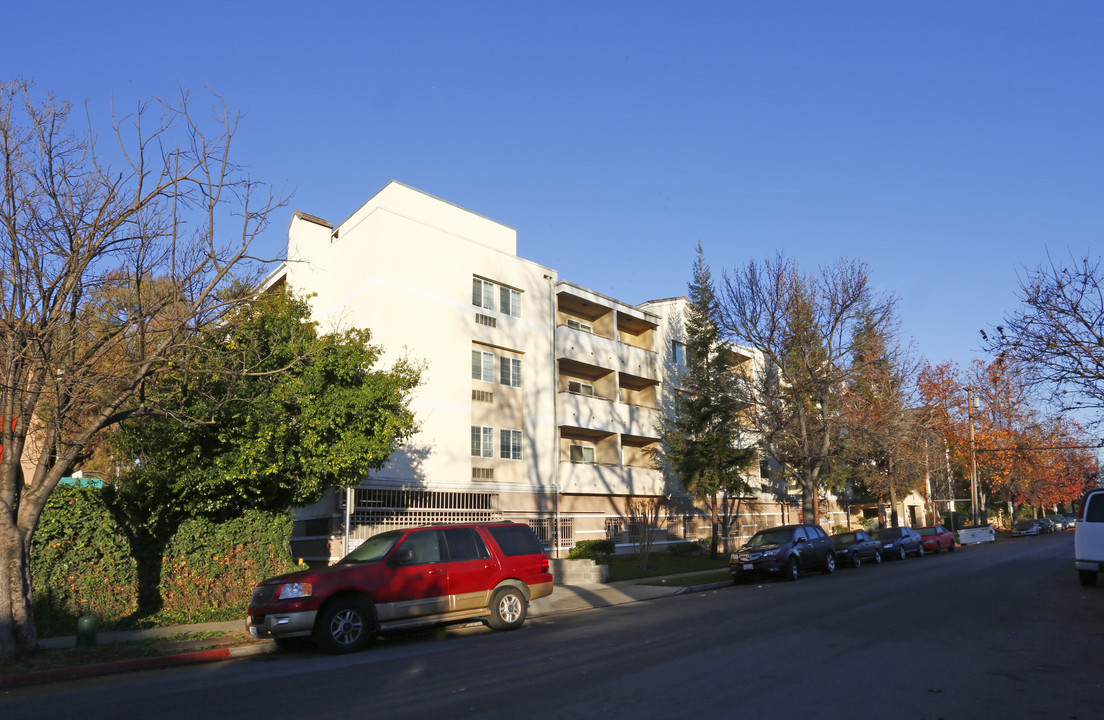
(105, 273)
(805, 327)
(645, 515)
(1058, 334)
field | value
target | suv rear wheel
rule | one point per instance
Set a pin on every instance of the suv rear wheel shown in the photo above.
(508, 609)
(830, 563)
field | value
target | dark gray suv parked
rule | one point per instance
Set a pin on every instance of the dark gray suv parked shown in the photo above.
(785, 551)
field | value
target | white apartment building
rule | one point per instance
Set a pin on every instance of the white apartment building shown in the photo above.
(540, 399)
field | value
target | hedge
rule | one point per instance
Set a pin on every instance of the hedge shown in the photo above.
(80, 563)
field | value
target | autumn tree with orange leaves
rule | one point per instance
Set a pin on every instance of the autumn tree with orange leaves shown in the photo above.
(1023, 456)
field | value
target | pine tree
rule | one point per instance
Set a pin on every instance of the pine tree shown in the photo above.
(702, 437)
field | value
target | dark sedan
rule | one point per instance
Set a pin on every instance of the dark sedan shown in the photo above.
(852, 548)
(898, 542)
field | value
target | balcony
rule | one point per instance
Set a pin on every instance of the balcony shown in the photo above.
(595, 413)
(609, 480)
(591, 349)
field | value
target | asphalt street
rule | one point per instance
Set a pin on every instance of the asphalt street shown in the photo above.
(1001, 630)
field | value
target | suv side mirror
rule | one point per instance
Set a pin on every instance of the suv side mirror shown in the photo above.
(799, 540)
(402, 556)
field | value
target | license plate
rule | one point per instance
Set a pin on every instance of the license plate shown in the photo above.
(748, 566)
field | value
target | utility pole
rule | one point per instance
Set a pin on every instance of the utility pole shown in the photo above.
(973, 456)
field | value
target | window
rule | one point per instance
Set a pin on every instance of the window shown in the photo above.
(509, 301)
(580, 388)
(582, 454)
(464, 544)
(510, 371)
(509, 444)
(678, 351)
(516, 540)
(483, 294)
(482, 441)
(482, 366)
(581, 326)
(424, 547)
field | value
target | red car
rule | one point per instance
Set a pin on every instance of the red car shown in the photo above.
(936, 538)
(402, 578)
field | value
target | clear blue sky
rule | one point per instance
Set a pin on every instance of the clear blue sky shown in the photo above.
(945, 144)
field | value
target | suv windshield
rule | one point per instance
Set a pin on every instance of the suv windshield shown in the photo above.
(373, 548)
(771, 537)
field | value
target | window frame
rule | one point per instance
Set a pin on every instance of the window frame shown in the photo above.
(509, 371)
(584, 450)
(486, 368)
(486, 441)
(509, 444)
(485, 294)
(580, 388)
(580, 326)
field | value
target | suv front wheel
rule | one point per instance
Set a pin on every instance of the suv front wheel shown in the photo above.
(793, 572)
(344, 626)
(508, 609)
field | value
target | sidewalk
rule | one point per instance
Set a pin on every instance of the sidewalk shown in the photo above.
(564, 599)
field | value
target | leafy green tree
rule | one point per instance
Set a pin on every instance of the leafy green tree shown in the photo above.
(269, 415)
(703, 438)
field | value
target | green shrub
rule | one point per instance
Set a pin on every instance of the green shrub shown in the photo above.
(840, 529)
(595, 550)
(80, 564)
(210, 569)
(685, 549)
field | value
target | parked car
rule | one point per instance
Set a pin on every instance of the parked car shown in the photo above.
(785, 551)
(1088, 538)
(1027, 527)
(852, 548)
(936, 538)
(403, 578)
(899, 542)
(1059, 522)
(1045, 526)
(1071, 521)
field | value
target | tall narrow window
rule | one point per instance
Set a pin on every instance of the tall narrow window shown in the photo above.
(482, 441)
(509, 301)
(509, 371)
(483, 294)
(679, 352)
(509, 444)
(482, 366)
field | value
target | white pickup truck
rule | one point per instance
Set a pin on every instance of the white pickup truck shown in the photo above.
(1088, 541)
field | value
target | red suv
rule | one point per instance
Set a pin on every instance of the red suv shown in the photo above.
(403, 578)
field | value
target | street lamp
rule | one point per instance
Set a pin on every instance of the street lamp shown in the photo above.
(972, 403)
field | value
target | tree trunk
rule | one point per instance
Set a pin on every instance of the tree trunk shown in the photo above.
(716, 527)
(17, 630)
(894, 520)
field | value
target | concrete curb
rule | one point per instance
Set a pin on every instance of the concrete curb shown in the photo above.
(77, 672)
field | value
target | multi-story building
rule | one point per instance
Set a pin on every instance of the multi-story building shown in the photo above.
(540, 399)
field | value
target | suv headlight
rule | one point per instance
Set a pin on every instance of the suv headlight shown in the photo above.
(294, 590)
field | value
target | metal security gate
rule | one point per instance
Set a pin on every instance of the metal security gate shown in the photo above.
(374, 511)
